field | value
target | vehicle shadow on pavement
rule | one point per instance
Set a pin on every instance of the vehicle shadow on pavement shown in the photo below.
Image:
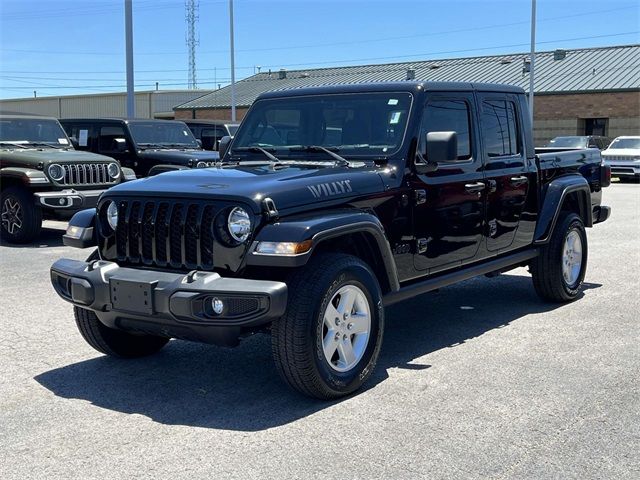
(49, 237)
(239, 389)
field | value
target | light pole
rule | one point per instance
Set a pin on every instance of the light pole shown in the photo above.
(532, 59)
(128, 27)
(233, 69)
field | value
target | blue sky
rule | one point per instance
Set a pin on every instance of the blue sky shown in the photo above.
(61, 47)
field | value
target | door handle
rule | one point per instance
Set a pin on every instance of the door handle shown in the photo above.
(476, 187)
(519, 180)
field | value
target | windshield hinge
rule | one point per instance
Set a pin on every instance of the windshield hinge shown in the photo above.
(270, 208)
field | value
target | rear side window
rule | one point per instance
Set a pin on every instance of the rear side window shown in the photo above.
(500, 128)
(108, 135)
(448, 116)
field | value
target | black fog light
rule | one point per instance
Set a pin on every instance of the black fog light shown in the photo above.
(217, 305)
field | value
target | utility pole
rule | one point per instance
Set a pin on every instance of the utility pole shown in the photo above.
(532, 58)
(128, 27)
(233, 68)
(191, 16)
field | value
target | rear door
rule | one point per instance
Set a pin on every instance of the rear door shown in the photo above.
(508, 174)
(449, 202)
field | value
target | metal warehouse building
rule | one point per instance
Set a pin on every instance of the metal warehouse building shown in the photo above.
(577, 92)
(149, 104)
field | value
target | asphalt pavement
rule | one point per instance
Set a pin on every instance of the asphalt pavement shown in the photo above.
(479, 380)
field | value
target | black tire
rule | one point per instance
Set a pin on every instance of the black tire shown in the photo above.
(546, 269)
(297, 336)
(116, 343)
(18, 205)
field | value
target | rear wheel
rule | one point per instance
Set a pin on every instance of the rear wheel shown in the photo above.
(327, 343)
(115, 343)
(21, 217)
(558, 272)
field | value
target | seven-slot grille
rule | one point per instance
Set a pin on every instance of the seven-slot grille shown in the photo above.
(86, 174)
(618, 158)
(165, 233)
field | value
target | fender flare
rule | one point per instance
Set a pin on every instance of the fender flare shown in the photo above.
(28, 176)
(556, 193)
(320, 227)
(81, 232)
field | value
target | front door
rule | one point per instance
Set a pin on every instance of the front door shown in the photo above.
(506, 171)
(449, 202)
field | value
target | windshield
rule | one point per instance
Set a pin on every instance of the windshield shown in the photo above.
(569, 142)
(356, 125)
(163, 134)
(32, 131)
(625, 143)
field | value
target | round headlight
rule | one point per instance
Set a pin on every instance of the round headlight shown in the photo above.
(56, 172)
(201, 164)
(113, 170)
(239, 224)
(112, 215)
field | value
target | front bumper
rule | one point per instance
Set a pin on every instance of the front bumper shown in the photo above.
(169, 304)
(624, 169)
(69, 199)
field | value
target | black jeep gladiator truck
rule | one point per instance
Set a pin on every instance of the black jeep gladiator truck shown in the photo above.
(43, 176)
(148, 147)
(329, 204)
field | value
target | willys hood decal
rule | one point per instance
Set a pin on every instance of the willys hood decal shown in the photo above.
(291, 186)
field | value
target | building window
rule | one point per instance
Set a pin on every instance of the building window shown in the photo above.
(595, 126)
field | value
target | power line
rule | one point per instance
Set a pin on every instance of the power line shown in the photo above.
(333, 44)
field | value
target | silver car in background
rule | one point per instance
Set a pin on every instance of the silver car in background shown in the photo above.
(623, 156)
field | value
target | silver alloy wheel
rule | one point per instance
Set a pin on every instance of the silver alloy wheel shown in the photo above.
(346, 328)
(572, 258)
(11, 215)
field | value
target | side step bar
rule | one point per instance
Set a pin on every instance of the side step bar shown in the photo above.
(442, 280)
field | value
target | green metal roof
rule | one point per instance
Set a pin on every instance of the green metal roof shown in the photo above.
(560, 71)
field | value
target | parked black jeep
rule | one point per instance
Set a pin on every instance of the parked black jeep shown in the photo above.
(210, 132)
(330, 204)
(148, 147)
(42, 176)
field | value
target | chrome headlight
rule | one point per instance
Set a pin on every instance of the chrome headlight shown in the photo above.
(239, 224)
(56, 172)
(113, 170)
(112, 215)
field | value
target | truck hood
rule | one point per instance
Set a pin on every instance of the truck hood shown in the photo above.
(180, 157)
(289, 186)
(51, 155)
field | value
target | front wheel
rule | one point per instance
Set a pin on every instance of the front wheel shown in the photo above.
(21, 217)
(559, 269)
(327, 343)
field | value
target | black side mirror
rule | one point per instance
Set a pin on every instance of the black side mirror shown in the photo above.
(120, 145)
(74, 142)
(442, 147)
(223, 146)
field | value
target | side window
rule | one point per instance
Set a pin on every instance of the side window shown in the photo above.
(81, 134)
(448, 116)
(500, 128)
(108, 135)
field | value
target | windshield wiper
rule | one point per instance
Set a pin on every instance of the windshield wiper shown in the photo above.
(267, 154)
(13, 144)
(47, 144)
(151, 145)
(343, 162)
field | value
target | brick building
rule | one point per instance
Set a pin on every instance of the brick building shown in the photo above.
(577, 92)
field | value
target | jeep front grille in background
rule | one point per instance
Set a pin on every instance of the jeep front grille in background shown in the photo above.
(86, 174)
(165, 233)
